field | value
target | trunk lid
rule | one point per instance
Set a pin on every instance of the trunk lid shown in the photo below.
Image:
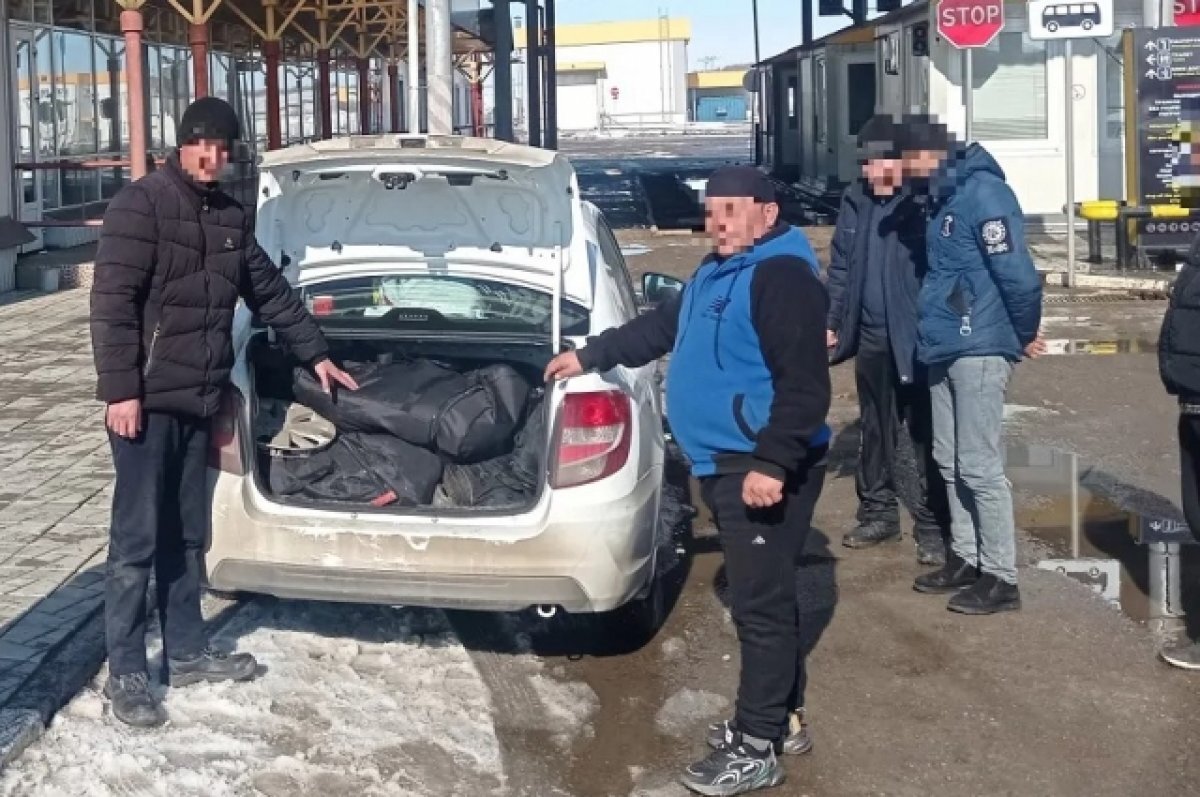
(437, 204)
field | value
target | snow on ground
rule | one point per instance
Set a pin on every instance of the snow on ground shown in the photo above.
(354, 701)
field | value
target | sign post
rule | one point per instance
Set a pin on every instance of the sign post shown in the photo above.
(1050, 20)
(968, 24)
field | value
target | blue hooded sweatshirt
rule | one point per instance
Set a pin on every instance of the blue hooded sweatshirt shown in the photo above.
(748, 380)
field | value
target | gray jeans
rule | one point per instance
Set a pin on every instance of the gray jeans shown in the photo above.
(968, 418)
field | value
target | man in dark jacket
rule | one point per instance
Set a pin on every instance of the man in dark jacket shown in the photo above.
(747, 393)
(980, 312)
(175, 255)
(1179, 367)
(875, 272)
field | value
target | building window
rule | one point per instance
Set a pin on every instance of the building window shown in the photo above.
(793, 114)
(819, 101)
(1114, 91)
(860, 96)
(1010, 89)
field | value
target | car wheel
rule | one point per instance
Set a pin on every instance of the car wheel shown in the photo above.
(1052, 27)
(1087, 24)
(640, 620)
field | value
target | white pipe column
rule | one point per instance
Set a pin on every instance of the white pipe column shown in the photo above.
(439, 67)
(414, 67)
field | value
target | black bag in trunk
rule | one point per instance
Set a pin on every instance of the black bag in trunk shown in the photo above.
(467, 418)
(359, 468)
(505, 481)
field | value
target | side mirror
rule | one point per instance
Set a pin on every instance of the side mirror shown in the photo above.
(658, 288)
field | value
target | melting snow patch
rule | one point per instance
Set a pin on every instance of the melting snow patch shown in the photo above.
(687, 709)
(569, 708)
(355, 700)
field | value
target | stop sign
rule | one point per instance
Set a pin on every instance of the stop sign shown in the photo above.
(970, 23)
(1187, 12)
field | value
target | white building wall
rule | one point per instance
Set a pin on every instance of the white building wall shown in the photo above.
(650, 78)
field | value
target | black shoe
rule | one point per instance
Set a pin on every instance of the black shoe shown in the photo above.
(734, 769)
(212, 666)
(132, 701)
(872, 532)
(955, 575)
(931, 549)
(798, 740)
(987, 596)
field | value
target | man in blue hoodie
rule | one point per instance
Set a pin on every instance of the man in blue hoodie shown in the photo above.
(875, 271)
(980, 312)
(747, 395)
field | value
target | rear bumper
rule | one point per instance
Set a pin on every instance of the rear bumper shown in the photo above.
(590, 558)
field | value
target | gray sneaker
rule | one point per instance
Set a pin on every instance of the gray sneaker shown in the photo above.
(1185, 656)
(797, 741)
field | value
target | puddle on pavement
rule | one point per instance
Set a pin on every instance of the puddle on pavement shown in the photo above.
(1091, 538)
(1097, 346)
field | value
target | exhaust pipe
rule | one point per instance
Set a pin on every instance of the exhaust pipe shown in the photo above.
(546, 611)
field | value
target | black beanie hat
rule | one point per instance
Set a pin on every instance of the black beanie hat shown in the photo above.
(740, 181)
(209, 118)
(879, 136)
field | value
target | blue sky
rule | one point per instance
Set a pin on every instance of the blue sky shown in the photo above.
(721, 29)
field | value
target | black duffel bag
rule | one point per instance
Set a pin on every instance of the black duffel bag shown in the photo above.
(360, 468)
(467, 418)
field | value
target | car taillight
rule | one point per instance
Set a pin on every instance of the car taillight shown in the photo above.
(594, 431)
(225, 448)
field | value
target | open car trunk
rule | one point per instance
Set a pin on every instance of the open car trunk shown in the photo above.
(435, 425)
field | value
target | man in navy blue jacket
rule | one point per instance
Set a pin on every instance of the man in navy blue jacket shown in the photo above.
(980, 312)
(747, 395)
(875, 272)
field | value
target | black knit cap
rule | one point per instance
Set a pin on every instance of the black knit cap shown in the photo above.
(209, 119)
(880, 137)
(740, 182)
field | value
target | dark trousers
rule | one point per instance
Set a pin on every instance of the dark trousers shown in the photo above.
(1189, 470)
(761, 548)
(159, 522)
(887, 407)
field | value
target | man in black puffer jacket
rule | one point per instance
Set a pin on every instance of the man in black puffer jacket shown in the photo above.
(1179, 367)
(875, 273)
(175, 255)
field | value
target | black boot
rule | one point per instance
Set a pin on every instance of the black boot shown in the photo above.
(987, 596)
(212, 666)
(872, 532)
(132, 701)
(931, 548)
(955, 575)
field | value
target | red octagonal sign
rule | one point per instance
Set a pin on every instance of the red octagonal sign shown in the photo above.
(970, 23)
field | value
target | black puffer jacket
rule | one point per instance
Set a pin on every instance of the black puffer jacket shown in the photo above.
(174, 257)
(1179, 343)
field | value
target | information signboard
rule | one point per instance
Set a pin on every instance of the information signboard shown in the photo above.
(1163, 69)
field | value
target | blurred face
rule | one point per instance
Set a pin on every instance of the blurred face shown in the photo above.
(884, 175)
(204, 160)
(922, 163)
(735, 223)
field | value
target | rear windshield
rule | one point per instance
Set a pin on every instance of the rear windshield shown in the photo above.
(437, 303)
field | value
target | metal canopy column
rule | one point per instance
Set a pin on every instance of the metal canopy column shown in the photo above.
(550, 126)
(502, 72)
(272, 51)
(132, 26)
(393, 72)
(533, 76)
(439, 67)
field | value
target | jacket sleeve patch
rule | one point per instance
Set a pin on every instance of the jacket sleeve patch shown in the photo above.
(997, 240)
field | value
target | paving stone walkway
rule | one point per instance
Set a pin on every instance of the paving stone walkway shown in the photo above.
(55, 479)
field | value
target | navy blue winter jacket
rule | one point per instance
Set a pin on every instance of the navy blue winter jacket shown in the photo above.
(982, 295)
(748, 381)
(901, 248)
